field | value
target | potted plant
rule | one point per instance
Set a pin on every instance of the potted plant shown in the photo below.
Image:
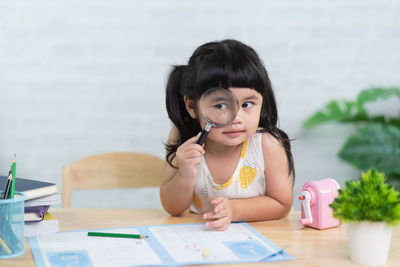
(369, 207)
(375, 144)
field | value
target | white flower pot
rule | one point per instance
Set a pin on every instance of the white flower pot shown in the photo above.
(369, 242)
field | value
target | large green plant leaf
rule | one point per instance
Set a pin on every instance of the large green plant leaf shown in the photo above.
(333, 111)
(374, 146)
(353, 111)
(374, 94)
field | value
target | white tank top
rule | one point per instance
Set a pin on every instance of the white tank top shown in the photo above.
(247, 181)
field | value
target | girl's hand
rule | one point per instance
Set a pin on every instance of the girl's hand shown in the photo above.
(188, 156)
(221, 217)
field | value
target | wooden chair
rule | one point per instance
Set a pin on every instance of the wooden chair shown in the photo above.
(109, 171)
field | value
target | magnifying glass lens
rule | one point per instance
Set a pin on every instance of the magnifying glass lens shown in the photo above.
(218, 107)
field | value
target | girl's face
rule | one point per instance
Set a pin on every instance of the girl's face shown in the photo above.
(245, 123)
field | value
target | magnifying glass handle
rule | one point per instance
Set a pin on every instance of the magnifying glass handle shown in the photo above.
(204, 134)
(202, 137)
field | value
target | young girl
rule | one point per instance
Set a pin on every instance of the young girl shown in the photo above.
(243, 171)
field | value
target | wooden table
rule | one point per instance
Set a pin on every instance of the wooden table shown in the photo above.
(308, 247)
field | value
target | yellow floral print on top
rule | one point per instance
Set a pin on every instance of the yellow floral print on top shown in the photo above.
(247, 174)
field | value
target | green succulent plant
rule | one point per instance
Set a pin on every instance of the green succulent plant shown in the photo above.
(369, 199)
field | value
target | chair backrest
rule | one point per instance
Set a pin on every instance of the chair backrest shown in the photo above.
(111, 170)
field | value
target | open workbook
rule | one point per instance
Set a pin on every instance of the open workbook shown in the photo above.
(166, 245)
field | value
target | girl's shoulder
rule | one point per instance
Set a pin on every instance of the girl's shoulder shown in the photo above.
(274, 154)
(270, 144)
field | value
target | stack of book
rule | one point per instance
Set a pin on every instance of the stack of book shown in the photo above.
(39, 197)
(37, 218)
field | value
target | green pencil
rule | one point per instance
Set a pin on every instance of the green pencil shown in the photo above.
(117, 235)
(14, 166)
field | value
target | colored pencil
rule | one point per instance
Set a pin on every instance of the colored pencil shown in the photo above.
(4, 246)
(117, 235)
(7, 190)
(14, 166)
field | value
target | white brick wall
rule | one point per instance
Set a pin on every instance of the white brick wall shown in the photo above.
(85, 77)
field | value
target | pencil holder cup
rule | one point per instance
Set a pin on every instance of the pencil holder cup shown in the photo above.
(12, 226)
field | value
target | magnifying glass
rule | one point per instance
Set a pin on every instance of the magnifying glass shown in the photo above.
(218, 107)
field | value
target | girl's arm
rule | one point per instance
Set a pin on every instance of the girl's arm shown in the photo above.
(279, 187)
(176, 190)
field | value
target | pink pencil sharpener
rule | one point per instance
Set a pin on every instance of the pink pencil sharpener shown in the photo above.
(316, 196)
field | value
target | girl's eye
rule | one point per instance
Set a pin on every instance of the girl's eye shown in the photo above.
(221, 106)
(247, 105)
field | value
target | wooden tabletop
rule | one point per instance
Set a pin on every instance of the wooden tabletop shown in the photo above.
(307, 246)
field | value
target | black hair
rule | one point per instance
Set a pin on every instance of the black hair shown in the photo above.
(227, 63)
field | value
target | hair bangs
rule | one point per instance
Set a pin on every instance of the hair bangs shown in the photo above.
(223, 68)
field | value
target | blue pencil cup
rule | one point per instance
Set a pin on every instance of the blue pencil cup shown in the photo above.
(12, 226)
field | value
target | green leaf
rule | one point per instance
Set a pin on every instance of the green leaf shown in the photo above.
(353, 111)
(374, 94)
(374, 146)
(395, 122)
(333, 111)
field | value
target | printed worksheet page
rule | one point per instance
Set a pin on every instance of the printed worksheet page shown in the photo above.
(198, 243)
(80, 250)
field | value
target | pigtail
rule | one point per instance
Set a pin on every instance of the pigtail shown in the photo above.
(187, 127)
(174, 99)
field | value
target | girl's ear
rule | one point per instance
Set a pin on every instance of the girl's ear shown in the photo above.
(190, 107)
